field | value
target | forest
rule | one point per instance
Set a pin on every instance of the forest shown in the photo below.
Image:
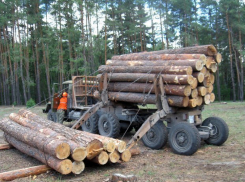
(49, 41)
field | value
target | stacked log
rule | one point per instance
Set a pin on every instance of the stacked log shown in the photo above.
(187, 74)
(61, 148)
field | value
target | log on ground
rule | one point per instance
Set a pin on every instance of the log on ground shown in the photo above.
(5, 146)
(25, 172)
(50, 145)
(78, 167)
(62, 166)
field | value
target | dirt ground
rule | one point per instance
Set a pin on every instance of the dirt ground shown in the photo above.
(209, 163)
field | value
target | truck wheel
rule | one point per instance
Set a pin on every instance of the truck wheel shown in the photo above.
(51, 115)
(91, 125)
(109, 125)
(156, 137)
(184, 138)
(219, 130)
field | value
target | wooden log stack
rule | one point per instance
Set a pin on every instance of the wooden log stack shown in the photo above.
(61, 148)
(187, 74)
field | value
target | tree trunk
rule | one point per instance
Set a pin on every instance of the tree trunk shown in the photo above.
(62, 166)
(178, 70)
(25, 172)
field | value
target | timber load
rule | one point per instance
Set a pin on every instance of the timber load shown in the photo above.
(59, 147)
(188, 75)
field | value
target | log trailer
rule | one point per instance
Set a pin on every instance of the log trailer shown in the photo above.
(98, 111)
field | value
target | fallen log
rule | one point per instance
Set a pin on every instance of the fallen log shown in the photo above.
(93, 146)
(78, 167)
(199, 76)
(196, 64)
(114, 157)
(177, 101)
(181, 90)
(5, 146)
(142, 77)
(25, 172)
(123, 178)
(174, 70)
(101, 159)
(62, 166)
(126, 155)
(50, 145)
(209, 50)
(78, 153)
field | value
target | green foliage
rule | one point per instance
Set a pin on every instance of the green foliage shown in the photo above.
(30, 103)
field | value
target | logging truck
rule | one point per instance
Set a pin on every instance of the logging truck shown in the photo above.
(178, 84)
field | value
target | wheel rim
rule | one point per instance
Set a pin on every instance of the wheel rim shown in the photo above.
(181, 140)
(106, 126)
(214, 132)
(151, 136)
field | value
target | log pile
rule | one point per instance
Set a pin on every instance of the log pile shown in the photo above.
(187, 74)
(59, 147)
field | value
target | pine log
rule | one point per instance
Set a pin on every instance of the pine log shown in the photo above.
(114, 157)
(194, 93)
(194, 84)
(181, 90)
(218, 58)
(5, 147)
(174, 70)
(210, 89)
(126, 155)
(206, 99)
(25, 172)
(199, 100)
(212, 97)
(209, 50)
(78, 153)
(123, 178)
(142, 77)
(102, 158)
(62, 166)
(93, 146)
(209, 62)
(192, 103)
(134, 151)
(149, 56)
(78, 167)
(207, 81)
(202, 91)
(196, 64)
(120, 146)
(214, 67)
(204, 71)
(50, 145)
(176, 101)
(212, 78)
(199, 76)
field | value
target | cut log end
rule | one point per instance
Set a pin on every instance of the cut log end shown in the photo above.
(199, 100)
(199, 65)
(192, 103)
(212, 97)
(79, 154)
(194, 93)
(121, 146)
(94, 148)
(109, 146)
(199, 76)
(62, 151)
(102, 158)
(203, 58)
(211, 50)
(65, 167)
(78, 167)
(218, 58)
(206, 99)
(194, 84)
(214, 67)
(114, 157)
(202, 91)
(126, 155)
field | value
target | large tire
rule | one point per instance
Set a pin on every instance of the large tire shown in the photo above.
(156, 137)
(219, 130)
(109, 125)
(184, 138)
(91, 125)
(51, 115)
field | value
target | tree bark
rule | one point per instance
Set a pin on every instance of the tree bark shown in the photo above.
(48, 144)
(178, 70)
(62, 166)
(25, 172)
